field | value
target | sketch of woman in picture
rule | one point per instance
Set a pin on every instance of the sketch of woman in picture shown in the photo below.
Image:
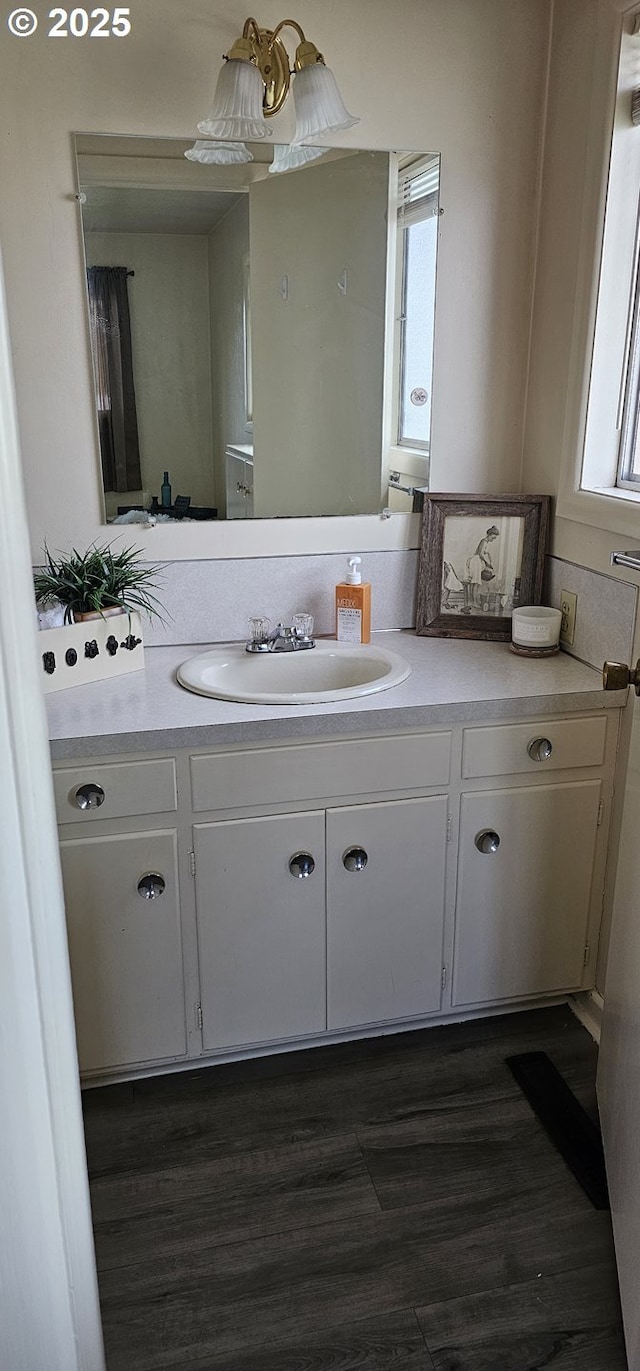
(479, 569)
(452, 586)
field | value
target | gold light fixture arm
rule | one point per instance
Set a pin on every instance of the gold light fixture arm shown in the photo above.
(251, 28)
(306, 53)
(266, 50)
(288, 24)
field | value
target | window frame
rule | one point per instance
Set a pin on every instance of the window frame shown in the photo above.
(588, 492)
(629, 431)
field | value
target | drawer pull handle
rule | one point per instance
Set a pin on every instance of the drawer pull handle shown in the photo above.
(487, 840)
(540, 749)
(89, 796)
(355, 859)
(302, 865)
(151, 886)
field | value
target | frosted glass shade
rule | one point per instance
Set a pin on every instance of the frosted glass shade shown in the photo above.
(237, 104)
(320, 108)
(218, 154)
(287, 158)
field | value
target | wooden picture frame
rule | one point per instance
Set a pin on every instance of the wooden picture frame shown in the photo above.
(481, 557)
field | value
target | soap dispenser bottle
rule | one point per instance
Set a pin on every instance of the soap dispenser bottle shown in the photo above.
(353, 606)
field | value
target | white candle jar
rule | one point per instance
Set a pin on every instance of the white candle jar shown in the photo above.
(536, 626)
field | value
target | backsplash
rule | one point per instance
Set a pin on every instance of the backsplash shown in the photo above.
(606, 611)
(211, 601)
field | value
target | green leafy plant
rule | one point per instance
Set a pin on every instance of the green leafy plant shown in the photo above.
(97, 580)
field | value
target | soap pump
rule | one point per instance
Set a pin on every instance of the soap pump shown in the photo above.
(353, 605)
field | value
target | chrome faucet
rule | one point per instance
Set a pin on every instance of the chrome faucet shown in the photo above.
(293, 637)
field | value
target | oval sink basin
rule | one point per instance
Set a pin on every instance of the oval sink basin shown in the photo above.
(329, 671)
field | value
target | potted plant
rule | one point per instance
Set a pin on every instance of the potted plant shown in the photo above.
(97, 583)
(94, 585)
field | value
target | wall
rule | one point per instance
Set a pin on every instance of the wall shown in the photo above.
(228, 249)
(458, 76)
(318, 351)
(579, 123)
(170, 338)
(582, 89)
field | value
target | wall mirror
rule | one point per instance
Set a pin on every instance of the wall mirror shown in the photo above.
(262, 341)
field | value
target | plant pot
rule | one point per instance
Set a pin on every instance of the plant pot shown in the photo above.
(80, 653)
(98, 614)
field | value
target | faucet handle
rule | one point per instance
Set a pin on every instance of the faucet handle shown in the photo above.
(259, 629)
(302, 625)
(259, 634)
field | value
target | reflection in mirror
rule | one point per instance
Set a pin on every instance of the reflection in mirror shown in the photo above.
(262, 343)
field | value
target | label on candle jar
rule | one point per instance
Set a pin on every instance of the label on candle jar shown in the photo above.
(531, 629)
(530, 632)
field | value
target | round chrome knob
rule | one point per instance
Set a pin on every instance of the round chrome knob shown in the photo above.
(302, 865)
(355, 859)
(151, 886)
(89, 796)
(540, 749)
(487, 840)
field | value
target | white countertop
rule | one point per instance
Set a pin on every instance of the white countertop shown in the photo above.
(451, 681)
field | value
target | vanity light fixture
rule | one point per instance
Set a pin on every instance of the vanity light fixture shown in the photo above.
(220, 154)
(255, 81)
(286, 156)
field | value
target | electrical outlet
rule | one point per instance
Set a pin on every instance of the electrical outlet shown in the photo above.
(569, 607)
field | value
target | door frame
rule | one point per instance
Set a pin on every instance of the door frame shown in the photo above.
(49, 1310)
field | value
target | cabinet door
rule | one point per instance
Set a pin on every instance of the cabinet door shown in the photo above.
(237, 486)
(385, 920)
(125, 949)
(523, 909)
(261, 929)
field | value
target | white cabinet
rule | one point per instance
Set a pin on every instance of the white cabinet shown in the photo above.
(239, 485)
(329, 887)
(262, 934)
(260, 899)
(125, 949)
(524, 889)
(261, 928)
(385, 910)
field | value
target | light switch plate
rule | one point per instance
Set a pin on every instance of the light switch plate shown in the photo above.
(569, 607)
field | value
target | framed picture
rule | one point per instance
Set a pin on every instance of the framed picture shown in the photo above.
(481, 557)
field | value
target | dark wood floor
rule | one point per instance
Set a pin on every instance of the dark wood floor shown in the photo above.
(390, 1205)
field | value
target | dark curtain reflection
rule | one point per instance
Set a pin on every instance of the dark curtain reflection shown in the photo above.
(113, 368)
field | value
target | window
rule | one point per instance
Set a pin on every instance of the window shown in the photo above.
(611, 456)
(628, 476)
(418, 184)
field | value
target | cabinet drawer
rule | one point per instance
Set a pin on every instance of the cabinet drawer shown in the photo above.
(129, 788)
(228, 780)
(504, 749)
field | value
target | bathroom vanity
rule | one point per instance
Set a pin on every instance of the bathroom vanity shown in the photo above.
(241, 879)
